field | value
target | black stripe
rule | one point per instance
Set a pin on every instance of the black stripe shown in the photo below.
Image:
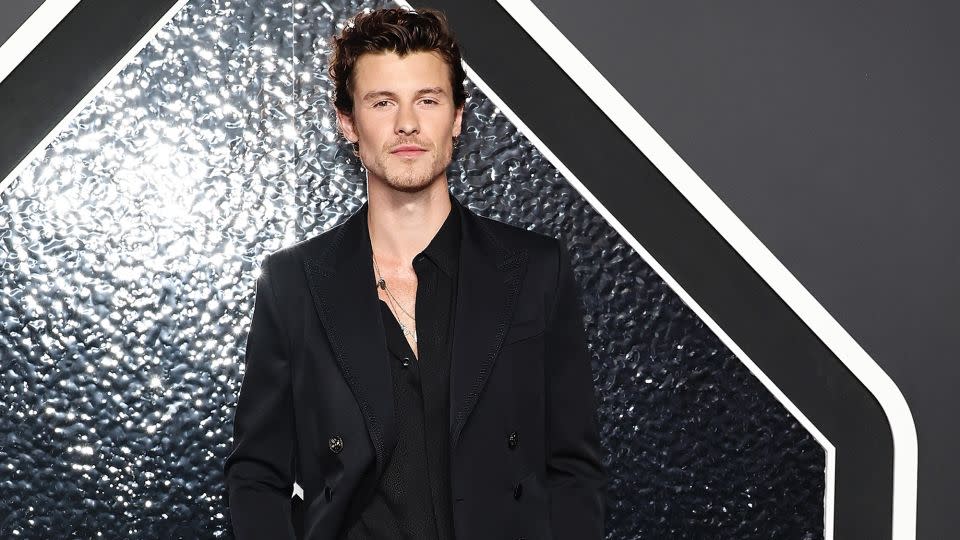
(643, 200)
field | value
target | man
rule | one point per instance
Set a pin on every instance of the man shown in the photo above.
(421, 371)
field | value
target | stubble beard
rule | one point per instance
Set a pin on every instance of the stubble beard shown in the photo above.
(411, 176)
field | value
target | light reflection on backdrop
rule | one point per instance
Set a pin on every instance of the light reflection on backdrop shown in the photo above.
(129, 253)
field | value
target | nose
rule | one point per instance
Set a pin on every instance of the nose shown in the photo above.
(407, 122)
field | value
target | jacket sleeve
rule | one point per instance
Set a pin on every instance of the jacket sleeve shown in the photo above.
(575, 479)
(260, 470)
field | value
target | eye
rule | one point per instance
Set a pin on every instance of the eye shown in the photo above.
(379, 102)
(432, 101)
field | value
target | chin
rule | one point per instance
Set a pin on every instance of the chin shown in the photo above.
(404, 187)
(407, 181)
(410, 181)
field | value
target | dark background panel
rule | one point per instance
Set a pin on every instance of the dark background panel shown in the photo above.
(647, 204)
(830, 130)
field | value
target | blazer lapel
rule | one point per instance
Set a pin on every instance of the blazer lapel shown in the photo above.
(342, 284)
(489, 279)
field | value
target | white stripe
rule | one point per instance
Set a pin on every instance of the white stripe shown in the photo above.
(32, 32)
(619, 111)
(107, 78)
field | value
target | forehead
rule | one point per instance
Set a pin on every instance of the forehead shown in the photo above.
(387, 71)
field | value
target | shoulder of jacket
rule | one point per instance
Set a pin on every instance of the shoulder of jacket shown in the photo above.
(291, 256)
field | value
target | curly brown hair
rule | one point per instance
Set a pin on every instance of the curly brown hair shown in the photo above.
(397, 30)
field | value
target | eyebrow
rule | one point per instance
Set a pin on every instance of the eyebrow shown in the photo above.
(386, 93)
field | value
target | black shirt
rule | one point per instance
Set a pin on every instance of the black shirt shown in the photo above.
(413, 498)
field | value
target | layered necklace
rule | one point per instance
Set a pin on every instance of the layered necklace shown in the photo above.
(382, 283)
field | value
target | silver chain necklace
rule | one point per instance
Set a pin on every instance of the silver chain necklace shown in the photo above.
(382, 283)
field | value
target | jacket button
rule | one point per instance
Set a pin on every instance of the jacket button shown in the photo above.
(336, 444)
(405, 362)
(518, 491)
(513, 440)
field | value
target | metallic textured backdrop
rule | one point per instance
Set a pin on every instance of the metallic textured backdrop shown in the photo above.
(129, 255)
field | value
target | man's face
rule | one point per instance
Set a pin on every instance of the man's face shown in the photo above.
(403, 101)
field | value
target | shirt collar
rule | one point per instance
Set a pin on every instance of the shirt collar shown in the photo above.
(444, 248)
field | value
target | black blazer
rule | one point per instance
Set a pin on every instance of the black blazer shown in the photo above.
(316, 401)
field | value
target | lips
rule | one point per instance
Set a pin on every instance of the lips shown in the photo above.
(408, 150)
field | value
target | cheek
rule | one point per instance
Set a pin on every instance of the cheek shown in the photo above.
(372, 139)
(444, 144)
(371, 131)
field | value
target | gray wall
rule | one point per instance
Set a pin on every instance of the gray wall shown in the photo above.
(828, 129)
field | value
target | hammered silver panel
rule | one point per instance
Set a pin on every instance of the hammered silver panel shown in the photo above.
(130, 251)
(129, 256)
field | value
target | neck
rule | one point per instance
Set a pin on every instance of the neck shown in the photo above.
(401, 224)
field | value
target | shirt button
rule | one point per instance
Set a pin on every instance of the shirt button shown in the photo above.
(518, 491)
(513, 440)
(336, 444)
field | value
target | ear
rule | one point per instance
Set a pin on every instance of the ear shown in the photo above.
(457, 120)
(346, 126)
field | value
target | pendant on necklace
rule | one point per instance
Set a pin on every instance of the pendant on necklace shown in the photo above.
(408, 332)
